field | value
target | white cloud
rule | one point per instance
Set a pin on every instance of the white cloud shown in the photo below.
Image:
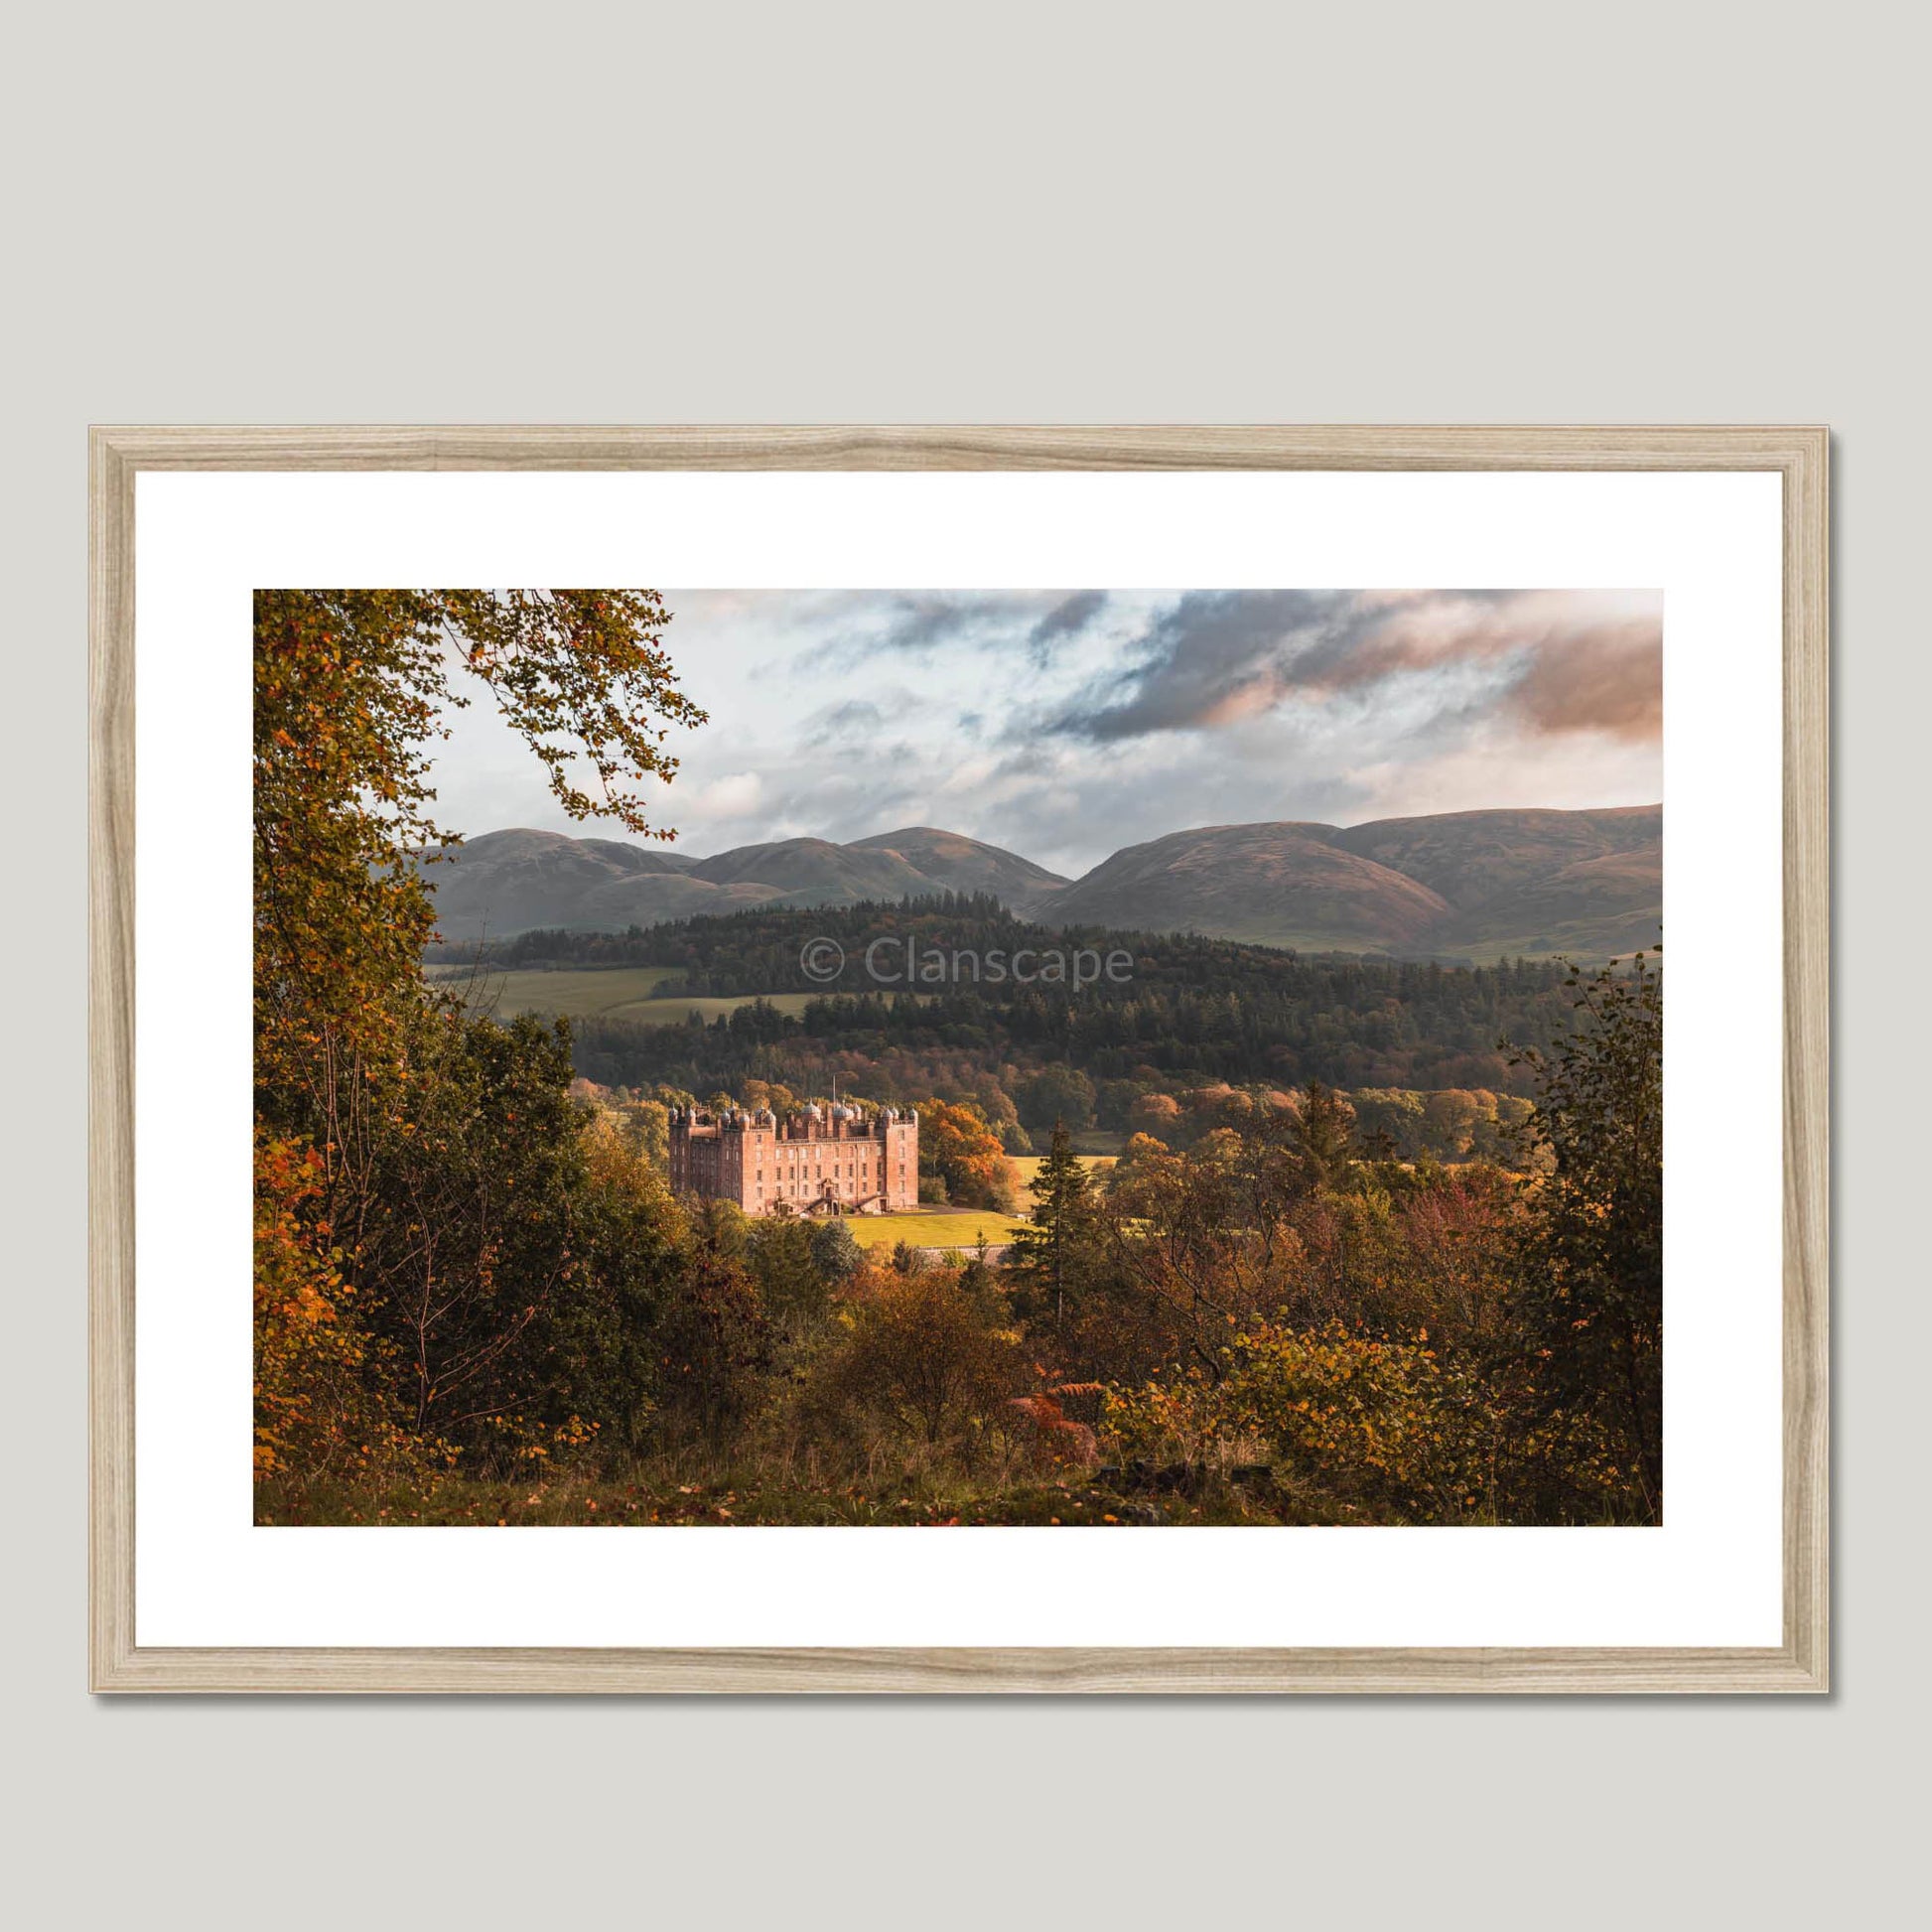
(738, 794)
(844, 714)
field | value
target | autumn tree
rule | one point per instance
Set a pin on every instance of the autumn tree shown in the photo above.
(1389, 1122)
(1450, 1118)
(445, 1186)
(455, 1204)
(1056, 1093)
(794, 1290)
(319, 1412)
(1360, 1428)
(714, 1339)
(1458, 1226)
(757, 1093)
(1589, 1294)
(351, 692)
(1155, 1115)
(918, 1354)
(960, 1148)
(1205, 1236)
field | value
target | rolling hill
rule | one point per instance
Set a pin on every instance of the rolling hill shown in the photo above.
(1474, 857)
(963, 865)
(1270, 884)
(1602, 906)
(814, 871)
(1456, 886)
(509, 882)
(1474, 885)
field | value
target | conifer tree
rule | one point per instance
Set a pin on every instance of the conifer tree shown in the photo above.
(1050, 1253)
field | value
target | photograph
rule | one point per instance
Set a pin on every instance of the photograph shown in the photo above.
(1045, 1058)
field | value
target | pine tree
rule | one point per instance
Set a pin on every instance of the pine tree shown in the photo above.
(1327, 1133)
(1049, 1254)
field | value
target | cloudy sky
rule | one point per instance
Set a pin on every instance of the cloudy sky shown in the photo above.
(1067, 724)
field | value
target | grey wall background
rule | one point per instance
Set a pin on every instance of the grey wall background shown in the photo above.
(1480, 213)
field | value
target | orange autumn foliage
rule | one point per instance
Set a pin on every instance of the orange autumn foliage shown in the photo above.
(316, 1410)
(957, 1142)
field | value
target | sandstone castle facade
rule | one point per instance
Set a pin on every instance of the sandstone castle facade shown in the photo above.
(813, 1162)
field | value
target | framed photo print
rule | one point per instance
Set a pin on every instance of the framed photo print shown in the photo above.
(959, 1059)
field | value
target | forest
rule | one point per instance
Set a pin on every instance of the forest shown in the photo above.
(477, 1299)
(1188, 1011)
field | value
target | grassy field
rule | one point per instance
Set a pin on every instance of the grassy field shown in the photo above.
(1028, 1165)
(934, 1227)
(616, 992)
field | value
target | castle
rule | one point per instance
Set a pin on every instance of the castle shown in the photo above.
(810, 1162)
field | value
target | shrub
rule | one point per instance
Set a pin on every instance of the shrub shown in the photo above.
(916, 1354)
(1360, 1428)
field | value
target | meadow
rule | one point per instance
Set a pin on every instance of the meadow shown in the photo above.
(614, 993)
(935, 1227)
(1026, 1165)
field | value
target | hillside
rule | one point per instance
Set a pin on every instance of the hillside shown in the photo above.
(814, 871)
(510, 882)
(1473, 858)
(963, 865)
(1595, 907)
(1474, 885)
(1589, 882)
(1280, 884)
(1456, 886)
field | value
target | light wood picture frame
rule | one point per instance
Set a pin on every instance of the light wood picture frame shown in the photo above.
(1800, 1663)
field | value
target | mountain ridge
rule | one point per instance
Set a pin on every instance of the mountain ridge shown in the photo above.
(1484, 885)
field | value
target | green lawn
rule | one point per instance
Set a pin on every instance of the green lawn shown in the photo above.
(934, 1227)
(1028, 1165)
